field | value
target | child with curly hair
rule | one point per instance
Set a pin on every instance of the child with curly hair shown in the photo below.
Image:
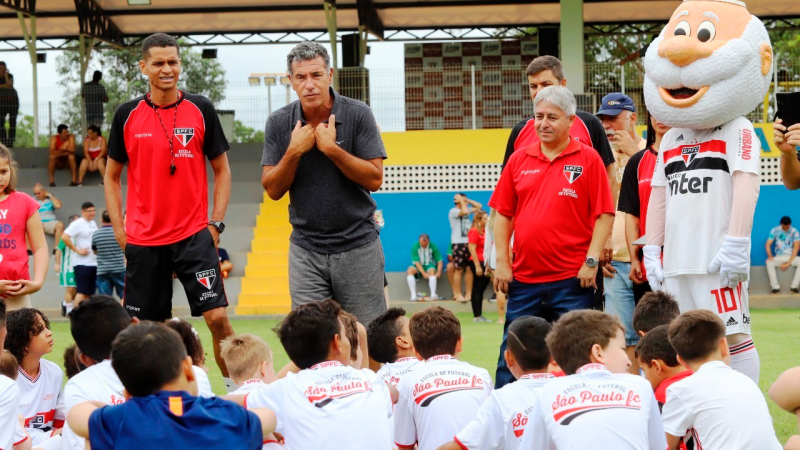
(194, 348)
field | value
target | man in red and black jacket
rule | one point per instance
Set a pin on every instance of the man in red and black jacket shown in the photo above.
(165, 138)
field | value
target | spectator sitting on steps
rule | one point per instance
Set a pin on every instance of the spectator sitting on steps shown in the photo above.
(62, 152)
(426, 262)
(787, 241)
(48, 204)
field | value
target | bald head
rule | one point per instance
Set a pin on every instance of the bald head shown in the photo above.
(39, 191)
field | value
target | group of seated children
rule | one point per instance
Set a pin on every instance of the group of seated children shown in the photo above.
(139, 386)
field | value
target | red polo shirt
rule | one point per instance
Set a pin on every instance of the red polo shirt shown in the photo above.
(555, 204)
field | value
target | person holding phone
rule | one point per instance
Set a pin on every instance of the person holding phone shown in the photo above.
(787, 138)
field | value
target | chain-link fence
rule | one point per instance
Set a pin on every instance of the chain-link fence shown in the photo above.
(452, 97)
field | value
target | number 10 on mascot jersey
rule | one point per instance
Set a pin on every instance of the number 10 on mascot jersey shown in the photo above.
(710, 66)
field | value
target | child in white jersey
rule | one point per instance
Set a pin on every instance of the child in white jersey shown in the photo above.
(327, 401)
(390, 344)
(598, 405)
(10, 369)
(722, 408)
(40, 381)
(94, 324)
(442, 395)
(9, 396)
(501, 421)
(249, 362)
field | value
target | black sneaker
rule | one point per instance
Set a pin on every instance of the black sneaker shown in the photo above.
(795, 291)
(63, 309)
(775, 291)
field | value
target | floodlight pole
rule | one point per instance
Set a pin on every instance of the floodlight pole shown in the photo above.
(330, 18)
(30, 42)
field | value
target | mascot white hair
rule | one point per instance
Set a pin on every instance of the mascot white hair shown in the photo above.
(710, 66)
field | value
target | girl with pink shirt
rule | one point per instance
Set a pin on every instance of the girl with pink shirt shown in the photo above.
(19, 217)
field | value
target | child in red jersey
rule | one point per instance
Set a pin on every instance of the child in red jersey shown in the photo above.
(19, 219)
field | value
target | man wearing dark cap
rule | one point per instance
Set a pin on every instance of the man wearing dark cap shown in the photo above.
(618, 114)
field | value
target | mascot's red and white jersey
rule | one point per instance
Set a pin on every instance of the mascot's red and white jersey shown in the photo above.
(596, 409)
(42, 400)
(501, 421)
(437, 400)
(697, 166)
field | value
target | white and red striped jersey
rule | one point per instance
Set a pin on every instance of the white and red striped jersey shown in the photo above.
(500, 423)
(696, 166)
(270, 443)
(99, 383)
(437, 400)
(329, 405)
(9, 405)
(721, 408)
(41, 401)
(595, 408)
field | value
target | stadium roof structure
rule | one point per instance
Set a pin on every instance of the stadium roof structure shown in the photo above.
(222, 22)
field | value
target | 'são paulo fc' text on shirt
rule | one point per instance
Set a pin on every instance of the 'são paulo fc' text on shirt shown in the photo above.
(596, 409)
(501, 421)
(696, 167)
(329, 403)
(437, 400)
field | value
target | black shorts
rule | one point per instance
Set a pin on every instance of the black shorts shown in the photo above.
(86, 279)
(148, 277)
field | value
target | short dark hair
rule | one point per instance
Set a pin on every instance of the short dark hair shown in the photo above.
(94, 128)
(696, 334)
(543, 63)
(192, 342)
(350, 323)
(97, 75)
(786, 220)
(62, 127)
(23, 324)
(86, 205)
(655, 345)
(146, 357)
(526, 341)
(9, 366)
(435, 331)
(381, 335)
(158, 40)
(654, 309)
(106, 217)
(306, 333)
(576, 332)
(94, 324)
(72, 361)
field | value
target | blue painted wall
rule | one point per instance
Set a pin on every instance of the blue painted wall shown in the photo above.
(410, 214)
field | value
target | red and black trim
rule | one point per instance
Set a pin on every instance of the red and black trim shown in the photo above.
(571, 414)
(742, 347)
(425, 399)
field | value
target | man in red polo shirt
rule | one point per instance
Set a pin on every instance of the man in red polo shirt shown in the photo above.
(557, 194)
(165, 138)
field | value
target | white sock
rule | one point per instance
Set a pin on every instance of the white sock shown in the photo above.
(412, 286)
(230, 386)
(744, 359)
(69, 307)
(432, 284)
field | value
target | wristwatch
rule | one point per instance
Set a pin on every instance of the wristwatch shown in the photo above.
(220, 226)
(592, 262)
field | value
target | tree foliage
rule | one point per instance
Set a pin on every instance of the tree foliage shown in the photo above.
(242, 133)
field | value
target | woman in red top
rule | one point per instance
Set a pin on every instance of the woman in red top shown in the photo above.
(477, 265)
(19, 217)
(95, 151)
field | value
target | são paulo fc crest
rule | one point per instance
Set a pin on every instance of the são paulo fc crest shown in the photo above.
(689, 153)
(184, 135)
(207, 278)
(572, 173)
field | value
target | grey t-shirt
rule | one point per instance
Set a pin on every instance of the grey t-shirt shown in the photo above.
(459, 227)
(328, 212)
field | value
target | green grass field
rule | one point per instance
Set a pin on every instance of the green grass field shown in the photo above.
(775, 332)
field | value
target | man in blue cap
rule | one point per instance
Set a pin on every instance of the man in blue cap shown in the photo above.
(618, 114)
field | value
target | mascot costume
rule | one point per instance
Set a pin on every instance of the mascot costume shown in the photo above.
(709, 67)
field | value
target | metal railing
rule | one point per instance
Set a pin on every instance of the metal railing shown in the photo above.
(453, 97)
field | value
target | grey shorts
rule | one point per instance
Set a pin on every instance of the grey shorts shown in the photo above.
(353, 278)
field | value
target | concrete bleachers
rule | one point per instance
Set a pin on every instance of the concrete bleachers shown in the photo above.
(240, 219)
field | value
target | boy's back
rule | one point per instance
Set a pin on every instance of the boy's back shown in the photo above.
(174, 420)
(437, 400)
(721, 408)
(393, 372)
(329, 403)
(97, 383)
(596, 409)
(9, 404)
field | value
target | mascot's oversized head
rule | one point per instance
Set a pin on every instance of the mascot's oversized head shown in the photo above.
(711, 64)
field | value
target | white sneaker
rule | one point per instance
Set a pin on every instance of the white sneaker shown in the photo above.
(434, 297)
(413, 299)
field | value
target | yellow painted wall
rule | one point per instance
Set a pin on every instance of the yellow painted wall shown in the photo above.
(439, 147)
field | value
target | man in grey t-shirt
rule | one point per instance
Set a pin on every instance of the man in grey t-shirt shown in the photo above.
(460, 224)
(325, 150)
